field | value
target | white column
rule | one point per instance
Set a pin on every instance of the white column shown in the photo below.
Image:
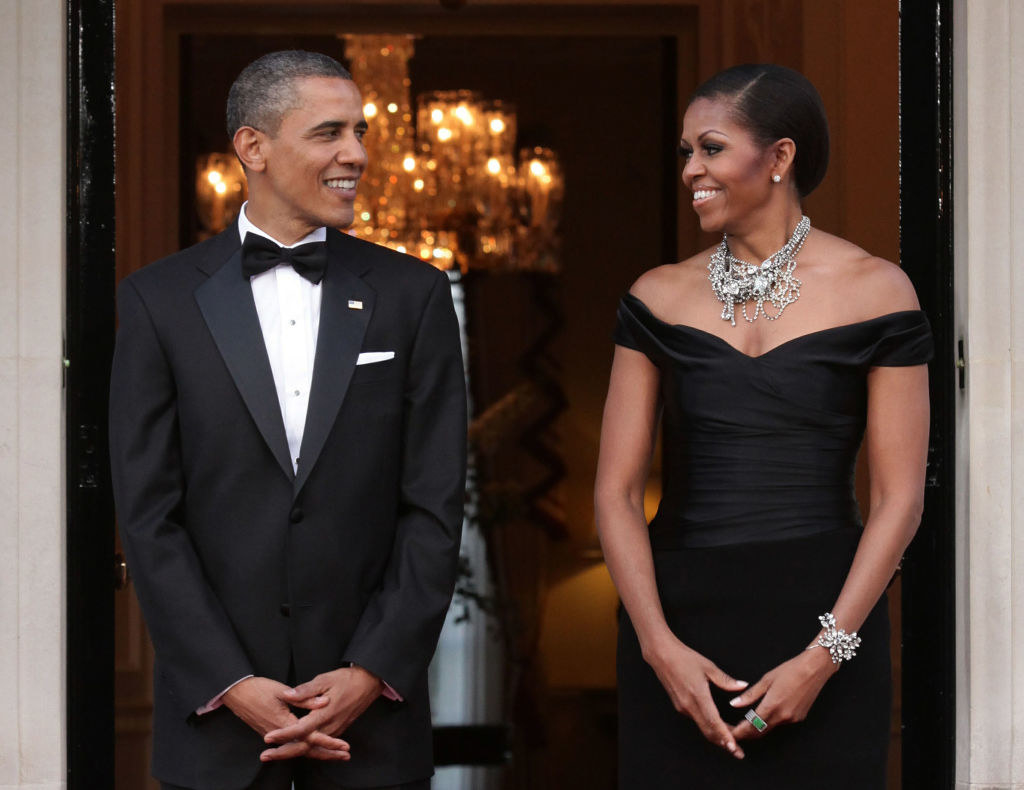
(989, 175)
(32, 120)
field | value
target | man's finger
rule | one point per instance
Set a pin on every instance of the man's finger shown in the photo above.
(309, 703)
(316, 753)
(285, 752)
(325, 741)
(310, 688)
(295, 732)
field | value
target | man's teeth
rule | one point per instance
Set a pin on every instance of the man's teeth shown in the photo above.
(341, 183)
(700, 194)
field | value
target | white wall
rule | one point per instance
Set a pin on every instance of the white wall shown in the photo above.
(989, 195)
(32, 727)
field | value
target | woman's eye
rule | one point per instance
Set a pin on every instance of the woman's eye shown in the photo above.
(711, 150)
(684, 152)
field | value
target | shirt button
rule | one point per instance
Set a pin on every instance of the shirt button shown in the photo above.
(292, 322)
(296, 393)
(296, 515)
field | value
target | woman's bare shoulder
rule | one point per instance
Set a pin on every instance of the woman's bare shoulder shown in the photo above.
(880, 286)
(664, 287)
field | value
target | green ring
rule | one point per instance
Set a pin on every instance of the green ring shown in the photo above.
(758, 723)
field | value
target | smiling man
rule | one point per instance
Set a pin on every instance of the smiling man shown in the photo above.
(288, 447)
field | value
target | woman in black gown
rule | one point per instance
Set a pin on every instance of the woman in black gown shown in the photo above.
(729, 674)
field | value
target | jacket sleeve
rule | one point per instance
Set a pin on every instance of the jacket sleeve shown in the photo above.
(398, 630)
(198, 652)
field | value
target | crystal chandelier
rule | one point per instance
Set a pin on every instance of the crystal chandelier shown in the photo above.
(450, 188)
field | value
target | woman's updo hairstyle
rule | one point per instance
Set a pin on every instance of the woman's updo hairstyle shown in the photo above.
(772, 102)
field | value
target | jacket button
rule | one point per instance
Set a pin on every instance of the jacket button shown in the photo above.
(286, 610)
(296, 515)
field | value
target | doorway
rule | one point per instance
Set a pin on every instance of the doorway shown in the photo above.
(155, 33)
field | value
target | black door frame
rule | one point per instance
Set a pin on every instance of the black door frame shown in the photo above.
(89, 341)
(926, 252)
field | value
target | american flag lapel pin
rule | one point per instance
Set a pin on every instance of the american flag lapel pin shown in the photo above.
(355, 304)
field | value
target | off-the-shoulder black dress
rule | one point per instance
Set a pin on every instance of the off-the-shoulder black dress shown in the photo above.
(752, 541)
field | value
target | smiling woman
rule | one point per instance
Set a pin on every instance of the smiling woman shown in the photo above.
(758, 538)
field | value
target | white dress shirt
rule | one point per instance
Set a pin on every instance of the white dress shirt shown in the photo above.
(288, 306)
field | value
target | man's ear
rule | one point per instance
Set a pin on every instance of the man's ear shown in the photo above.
(250, 147)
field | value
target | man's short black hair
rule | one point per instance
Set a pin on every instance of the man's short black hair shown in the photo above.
(265, 90)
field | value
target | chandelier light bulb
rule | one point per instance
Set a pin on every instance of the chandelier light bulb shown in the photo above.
(464, 140)
(214, 177)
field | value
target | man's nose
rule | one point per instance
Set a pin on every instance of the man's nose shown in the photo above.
(351, 151)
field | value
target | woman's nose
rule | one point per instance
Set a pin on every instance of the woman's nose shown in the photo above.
(692, 167)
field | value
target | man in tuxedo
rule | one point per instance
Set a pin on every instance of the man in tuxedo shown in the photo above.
(288, 427)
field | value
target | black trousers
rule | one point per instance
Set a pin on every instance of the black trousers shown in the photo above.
(281, 775)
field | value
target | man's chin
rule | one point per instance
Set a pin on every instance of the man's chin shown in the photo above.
(341, 220)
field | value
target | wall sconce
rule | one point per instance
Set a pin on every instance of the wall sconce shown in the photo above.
(220, 192)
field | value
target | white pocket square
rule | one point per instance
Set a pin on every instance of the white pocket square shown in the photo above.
(369, 357)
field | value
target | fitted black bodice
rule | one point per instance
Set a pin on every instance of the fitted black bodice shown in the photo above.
(763, 448)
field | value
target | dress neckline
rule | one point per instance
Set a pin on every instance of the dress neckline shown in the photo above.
(721, 340)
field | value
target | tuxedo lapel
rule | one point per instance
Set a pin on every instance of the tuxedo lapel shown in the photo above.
(227, 305)
(339, 340)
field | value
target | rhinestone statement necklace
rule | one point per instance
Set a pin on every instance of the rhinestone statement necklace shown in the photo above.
(734, 281)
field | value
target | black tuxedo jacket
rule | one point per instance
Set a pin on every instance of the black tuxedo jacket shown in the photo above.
(243, 567)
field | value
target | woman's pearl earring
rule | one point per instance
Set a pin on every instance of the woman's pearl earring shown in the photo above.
(776, 178)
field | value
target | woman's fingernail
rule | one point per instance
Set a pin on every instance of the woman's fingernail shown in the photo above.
(731, 746)
(736, 701)
(743, 683)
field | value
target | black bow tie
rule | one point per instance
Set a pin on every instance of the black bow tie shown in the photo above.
(260, 254)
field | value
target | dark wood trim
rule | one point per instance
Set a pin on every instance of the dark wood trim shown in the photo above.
(926, 253)
(89, 340)
(535, 19)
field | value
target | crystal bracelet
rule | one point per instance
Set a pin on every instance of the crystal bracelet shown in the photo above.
(841, 646)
